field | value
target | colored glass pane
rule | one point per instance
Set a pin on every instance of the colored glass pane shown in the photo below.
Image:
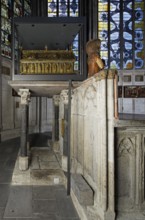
(124, 33)
(74, 8)
(139, 25)
(103, 6)
(63, 8)
(138, 5)
(27, 8)
(114, 6)
(18, 8)
(103, 26)
(52, 8)
(6, 16)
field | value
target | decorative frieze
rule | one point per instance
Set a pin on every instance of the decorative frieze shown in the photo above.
(47, 62)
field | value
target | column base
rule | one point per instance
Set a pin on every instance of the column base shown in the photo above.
(23, 163)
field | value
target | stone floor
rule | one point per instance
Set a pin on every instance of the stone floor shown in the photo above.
(38, 193)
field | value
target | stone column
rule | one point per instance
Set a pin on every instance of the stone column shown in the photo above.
(25, 98)
(0, 100)
(55, 130)
(64, 126)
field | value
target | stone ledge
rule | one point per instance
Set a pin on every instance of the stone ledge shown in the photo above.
(82, 190)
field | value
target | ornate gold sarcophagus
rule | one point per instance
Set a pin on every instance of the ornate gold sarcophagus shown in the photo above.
(47, 62)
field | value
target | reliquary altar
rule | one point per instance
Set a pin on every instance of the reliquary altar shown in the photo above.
(47, 62)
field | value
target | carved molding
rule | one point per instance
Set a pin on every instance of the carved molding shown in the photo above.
(105, 74)
(25, 96)
(47, 62)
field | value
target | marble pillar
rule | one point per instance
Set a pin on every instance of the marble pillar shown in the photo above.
(0, 100)
(55, 129)
(64, 128)
(23, 158)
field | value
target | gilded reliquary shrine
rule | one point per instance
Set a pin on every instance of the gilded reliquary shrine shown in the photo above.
(47, 62)
(51, 55)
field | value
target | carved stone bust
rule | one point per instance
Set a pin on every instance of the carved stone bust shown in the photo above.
(95, 63)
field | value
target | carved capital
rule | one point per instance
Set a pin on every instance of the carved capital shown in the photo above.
(56, 100)
(25, 96)
(64, 96)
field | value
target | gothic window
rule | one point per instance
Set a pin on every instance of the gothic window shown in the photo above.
(121, 30)
(66, 8)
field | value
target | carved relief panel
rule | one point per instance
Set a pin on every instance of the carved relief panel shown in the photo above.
(129, 169)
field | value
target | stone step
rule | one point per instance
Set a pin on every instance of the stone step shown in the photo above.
(82, 190)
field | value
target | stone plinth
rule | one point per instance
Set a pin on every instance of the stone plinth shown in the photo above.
(23, 163)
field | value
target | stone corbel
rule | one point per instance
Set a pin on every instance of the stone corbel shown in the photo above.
(25, 96)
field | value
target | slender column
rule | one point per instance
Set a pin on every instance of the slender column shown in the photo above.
(25, 98)
(0, 84)
(55, 134)
(64, 99)
(40, 114)
(65, 140)
(0, 100)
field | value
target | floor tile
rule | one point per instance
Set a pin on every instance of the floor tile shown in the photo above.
(19, 202)
(43, 192)
(65, 205)
(5, 177)
(44, 207)
(4, 193)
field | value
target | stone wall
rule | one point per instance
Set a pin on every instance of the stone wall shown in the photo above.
(92, 140)
(107, 152)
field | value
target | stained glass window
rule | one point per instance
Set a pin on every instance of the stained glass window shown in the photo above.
(10, 8)
(121, 30)
(6, 16)
(18, 8)
(64, 8)
(27, 7)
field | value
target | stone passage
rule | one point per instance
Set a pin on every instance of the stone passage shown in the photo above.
(82, 190)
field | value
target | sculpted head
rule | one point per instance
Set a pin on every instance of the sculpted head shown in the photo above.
(93, 46)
